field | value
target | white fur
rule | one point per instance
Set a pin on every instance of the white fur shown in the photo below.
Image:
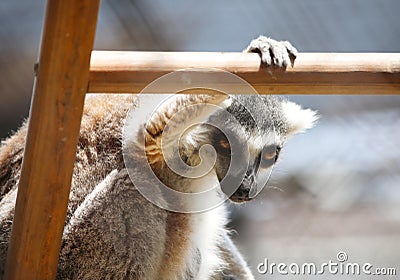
(298, 119)
(7, 203)
(207, 228)
(207, 232)
(258, 141)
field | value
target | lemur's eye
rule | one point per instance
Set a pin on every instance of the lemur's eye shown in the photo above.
(224, 144)
(221, 143)
(270, 155)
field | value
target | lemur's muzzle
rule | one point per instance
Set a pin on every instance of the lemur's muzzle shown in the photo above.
(251, 185)
(242, 194)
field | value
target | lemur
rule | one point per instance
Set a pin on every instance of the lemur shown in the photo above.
(111, 230)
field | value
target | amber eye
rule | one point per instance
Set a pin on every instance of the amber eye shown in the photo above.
(224, 144)
(270, 155)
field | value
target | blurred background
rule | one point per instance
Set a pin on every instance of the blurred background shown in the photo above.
(337, 187)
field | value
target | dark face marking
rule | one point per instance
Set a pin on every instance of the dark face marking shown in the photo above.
(265, 159)
(247, 171)
(224, 149)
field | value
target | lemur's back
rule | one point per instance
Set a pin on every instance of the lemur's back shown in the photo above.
(88, 244)
(98, 153)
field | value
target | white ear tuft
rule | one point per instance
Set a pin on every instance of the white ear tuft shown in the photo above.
(298, 119)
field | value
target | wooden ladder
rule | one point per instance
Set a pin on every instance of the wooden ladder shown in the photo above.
(65, 74)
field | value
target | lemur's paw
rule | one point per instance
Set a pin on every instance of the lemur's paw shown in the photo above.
(277, 53)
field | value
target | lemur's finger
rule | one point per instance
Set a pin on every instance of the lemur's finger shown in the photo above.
(286, 59)
(292, 50)
(265, 51)
(279, 52)
(262, 46)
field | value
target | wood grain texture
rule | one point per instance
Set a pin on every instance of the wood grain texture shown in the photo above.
(313, 73)
(56, 111)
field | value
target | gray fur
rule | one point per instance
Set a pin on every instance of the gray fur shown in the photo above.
(110, 238)
(261, 112)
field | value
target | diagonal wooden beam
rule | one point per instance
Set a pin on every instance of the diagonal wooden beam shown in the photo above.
(313, 73)
(55, 116)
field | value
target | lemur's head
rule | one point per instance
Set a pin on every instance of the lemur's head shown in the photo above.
(256, 135)
(246, 132)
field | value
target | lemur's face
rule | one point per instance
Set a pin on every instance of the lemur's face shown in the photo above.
(255, 161)
(248, 147)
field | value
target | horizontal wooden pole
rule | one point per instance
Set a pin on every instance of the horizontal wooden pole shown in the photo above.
(312, 73)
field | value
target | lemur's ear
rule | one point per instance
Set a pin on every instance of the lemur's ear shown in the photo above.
(298, 119)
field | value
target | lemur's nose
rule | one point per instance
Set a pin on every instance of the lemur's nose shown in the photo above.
(242, 194)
